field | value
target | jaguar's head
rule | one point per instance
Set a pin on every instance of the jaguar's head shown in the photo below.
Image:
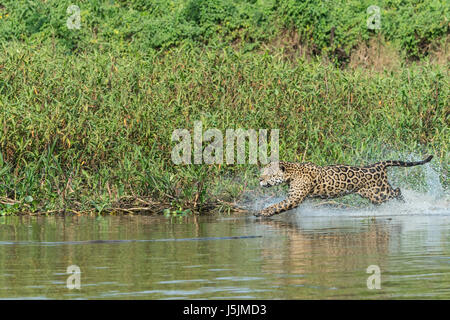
(273, 174)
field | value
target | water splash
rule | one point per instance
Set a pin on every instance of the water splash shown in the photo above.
(435, 187)
(416, 203)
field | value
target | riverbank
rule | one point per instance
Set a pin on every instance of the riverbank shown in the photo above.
(87, 116)
(86, 132)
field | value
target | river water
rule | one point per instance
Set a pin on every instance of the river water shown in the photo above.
(310, 253)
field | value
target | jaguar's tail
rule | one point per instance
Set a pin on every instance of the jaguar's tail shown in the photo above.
(398, 163)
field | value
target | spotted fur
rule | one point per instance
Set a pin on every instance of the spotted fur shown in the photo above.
(313, 181)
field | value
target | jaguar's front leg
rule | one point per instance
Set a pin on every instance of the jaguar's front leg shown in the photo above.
(279, 207)
(297, 193)
(298, 190)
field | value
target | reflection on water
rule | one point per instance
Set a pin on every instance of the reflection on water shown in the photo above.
(293, 257)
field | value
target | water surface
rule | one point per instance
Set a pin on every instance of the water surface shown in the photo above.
(318, 254)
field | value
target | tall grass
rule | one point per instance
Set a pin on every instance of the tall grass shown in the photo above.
(93, 131)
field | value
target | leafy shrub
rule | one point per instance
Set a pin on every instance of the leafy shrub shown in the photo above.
(332, 28)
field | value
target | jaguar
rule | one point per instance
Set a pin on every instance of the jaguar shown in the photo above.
(307, 180)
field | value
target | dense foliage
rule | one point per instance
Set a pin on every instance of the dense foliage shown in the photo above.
(330, 27)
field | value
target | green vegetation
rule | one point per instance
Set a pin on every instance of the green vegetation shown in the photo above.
(86, 116)
(334, 28)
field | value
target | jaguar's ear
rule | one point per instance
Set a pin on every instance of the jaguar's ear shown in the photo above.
(282, 167)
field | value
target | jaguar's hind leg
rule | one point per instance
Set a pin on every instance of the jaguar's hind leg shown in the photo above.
(378, 195)
(398, 195)
(374, 196)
